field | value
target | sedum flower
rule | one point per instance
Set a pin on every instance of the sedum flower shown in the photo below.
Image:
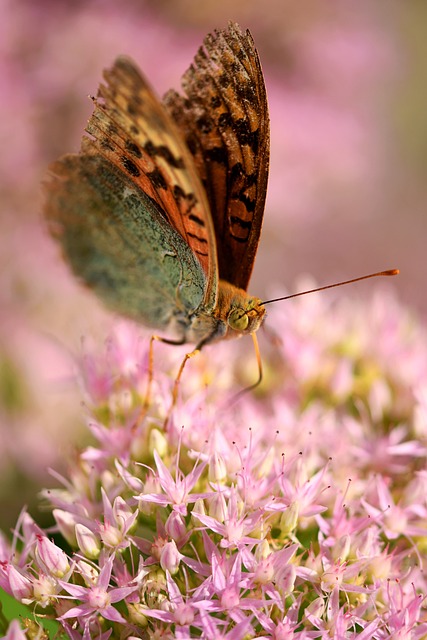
(97, 598)
(301, 513)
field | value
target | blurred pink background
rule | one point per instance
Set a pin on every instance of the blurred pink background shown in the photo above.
(347, 192)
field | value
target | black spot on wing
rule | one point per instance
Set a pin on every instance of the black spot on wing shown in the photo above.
(188, 198)
(245, 92)
(198, 238)
(130, 167)
(178, 192)
(106, 144)
(215, 102)
(192, 144)
(248, 202)
(240, 229)
(161, 151)
(197, 220)
(204, 124)
(157, 179)
(237, 172)
(217, 154)
(133, 149)
(224, 120)
(245, 135)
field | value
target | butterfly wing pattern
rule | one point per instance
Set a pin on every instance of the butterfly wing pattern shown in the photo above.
(139, 211)
(225, 123)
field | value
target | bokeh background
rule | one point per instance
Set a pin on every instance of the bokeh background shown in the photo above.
(347, 195)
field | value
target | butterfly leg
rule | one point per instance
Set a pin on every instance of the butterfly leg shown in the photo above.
(150, 373)
(187, 357)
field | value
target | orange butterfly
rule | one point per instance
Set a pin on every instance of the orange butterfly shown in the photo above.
(161, 211)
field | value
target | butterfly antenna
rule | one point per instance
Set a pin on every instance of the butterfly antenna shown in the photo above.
(388, 272)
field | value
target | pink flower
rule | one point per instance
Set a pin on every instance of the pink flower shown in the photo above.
(176, 491)
(396, 519)
(15, 632)
(267, 520)
(98, 598)
(232, 528)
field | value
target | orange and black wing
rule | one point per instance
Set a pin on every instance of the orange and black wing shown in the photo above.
(131, 129)
(224, 119)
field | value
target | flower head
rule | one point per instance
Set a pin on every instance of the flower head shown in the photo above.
(299, 515)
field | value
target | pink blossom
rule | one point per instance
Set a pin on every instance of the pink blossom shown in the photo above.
(15, 632)
(266, 522)
(97, 598)
(177, 491)
(233, 529)
(396, 520)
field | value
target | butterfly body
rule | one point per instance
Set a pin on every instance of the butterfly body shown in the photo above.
(160, 213)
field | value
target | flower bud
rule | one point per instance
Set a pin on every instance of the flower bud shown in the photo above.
(262, 550)
(87, 542)
(158, 442)
(170, 558)
(66, 523)
(289, 519)
(217, 507)
(53, 559)
(217, 469)
(199, 507)
(20, 586)
(176, 528)
(88, 572)
(136, 615)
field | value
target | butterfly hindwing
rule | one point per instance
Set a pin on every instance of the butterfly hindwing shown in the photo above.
(224, 117)
(118, 242)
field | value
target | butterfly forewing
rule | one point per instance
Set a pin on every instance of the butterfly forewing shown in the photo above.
(131, 129)
(224, 117)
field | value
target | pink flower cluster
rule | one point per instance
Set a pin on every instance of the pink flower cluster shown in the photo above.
(298, 513)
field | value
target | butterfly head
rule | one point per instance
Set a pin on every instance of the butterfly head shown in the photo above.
(246, 318)
(242, 313)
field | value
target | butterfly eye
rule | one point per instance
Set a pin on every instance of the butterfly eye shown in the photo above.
(238, 319)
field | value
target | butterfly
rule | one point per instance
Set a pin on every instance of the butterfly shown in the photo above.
(161, 211)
